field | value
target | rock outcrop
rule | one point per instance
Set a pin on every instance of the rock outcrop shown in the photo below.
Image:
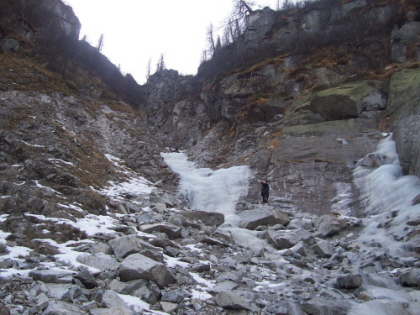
(90, 217)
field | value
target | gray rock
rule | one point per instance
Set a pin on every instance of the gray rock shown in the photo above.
(52, 276)
(110, 299)
(349, 282)
(3, 248)
(125, 245)
(281, 217)
(86, 278)
(208, 218)
(99, 261)
(383, 307)
(117, 286)
(322, 306)
(111, 311)
(287, 239)
(169, 307)
(137, 266)
(324, 249)
(285, 308)
(377, 293)
(328, 225)
(62, 308)
(416, 200)
(172, 231)
(224, 286)
(231, 301)
(42, 301)
(153, 254)
(410, 278)
(251, 219)
(175, 296)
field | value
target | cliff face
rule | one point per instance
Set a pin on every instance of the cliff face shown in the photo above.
(302, 117)
(90, 219)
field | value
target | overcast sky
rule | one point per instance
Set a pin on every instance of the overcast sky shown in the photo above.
(138, 30)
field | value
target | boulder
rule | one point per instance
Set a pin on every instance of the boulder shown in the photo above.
(349, 100)
(285, 308)
(110, 311)
(328, 225)
(52, 276)
(62, 308)
(410, 278)
(231, 301)
(208, 218)
(324, 306)
(110, 299)
(172, 231)
(99, 261)
(138, 266)
(349, 282)
(289, 238)
(174, 296)
(125, 245)
(281, 217)
(251, 219)
(86, 278)
(324, 249)
(383, 307)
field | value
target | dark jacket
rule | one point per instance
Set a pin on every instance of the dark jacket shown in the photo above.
(265, 189)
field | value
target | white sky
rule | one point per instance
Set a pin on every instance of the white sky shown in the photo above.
(137, 30)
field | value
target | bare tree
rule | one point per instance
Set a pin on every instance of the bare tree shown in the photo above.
(161, 63)
(100, 43)
(203, 56)
(210, 39)
(148, 70)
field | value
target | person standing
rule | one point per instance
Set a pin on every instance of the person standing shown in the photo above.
(265, 192)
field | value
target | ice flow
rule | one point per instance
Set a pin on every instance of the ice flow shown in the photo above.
(210, 190)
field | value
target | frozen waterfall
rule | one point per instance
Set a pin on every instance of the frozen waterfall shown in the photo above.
(386, 196)
(215, 191)
(208, 190)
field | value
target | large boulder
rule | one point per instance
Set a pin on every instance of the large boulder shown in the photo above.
(52, 276)
(137, 266)
(208, 218)
(289, 238)
(251, 219)
(125, 245)
(383, 307)
(172, 231)
(328, 225)
(99, 261)
(350, 99)
(231, 301)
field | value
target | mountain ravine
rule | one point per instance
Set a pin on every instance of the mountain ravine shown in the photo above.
(117, 198)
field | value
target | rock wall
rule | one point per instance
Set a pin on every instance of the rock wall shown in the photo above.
(302, 120)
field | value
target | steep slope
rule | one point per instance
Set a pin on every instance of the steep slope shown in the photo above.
(90, 218)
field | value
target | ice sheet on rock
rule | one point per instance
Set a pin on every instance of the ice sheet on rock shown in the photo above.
(386, 196)
(209, 190)
(215, 191)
